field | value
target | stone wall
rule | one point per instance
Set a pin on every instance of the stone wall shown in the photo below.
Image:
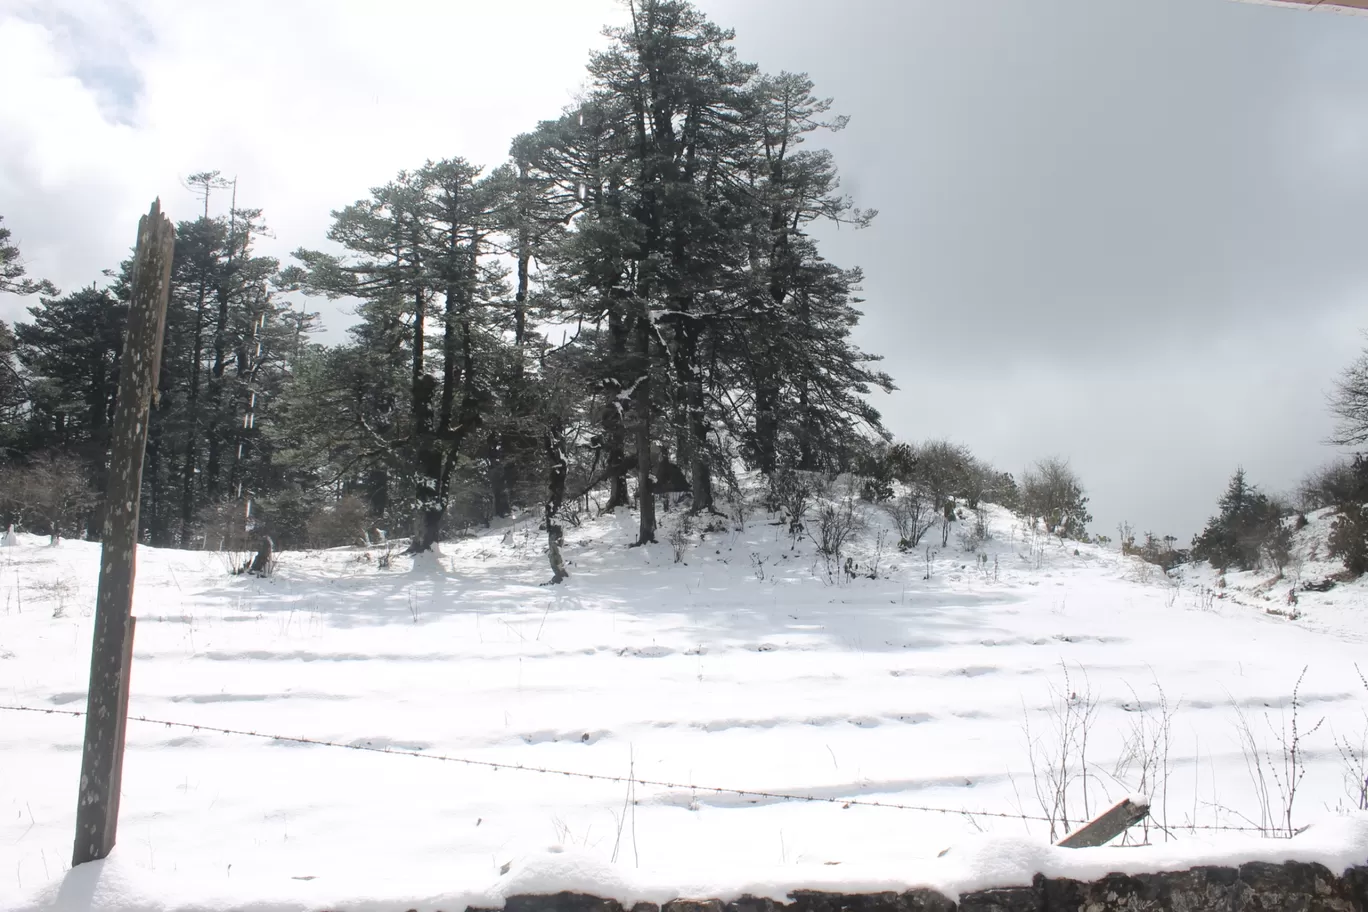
(1254, 887)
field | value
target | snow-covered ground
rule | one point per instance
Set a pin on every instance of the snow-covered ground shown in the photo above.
(745, 666)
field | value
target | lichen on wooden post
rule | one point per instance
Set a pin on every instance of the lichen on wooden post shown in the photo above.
(111, 657)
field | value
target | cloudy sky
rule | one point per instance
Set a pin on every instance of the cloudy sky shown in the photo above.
(1128, 232)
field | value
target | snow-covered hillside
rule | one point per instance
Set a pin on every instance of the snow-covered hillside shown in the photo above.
(744, 666)
(1322, 598)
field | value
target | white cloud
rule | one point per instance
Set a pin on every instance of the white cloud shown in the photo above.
(307, 103)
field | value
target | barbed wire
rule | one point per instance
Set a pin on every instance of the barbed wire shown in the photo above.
(522, 767)
(598, 777)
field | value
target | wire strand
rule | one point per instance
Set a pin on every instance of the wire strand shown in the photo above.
(490, 764)
(597, 777)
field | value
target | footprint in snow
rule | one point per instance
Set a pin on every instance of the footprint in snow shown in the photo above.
(646, 652)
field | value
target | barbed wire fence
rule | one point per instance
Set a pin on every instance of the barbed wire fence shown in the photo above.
(754, 794)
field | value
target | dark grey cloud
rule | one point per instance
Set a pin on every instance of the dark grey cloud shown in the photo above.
(1123, 231)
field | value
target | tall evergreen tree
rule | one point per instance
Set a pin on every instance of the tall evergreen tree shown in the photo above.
(422, 261)
(1236, 535)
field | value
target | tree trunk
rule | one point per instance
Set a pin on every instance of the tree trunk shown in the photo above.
(645, 496)
(213, 462)
(377, 491)
(767, 427)
(191, 460)
(616, 449)
(700, 466)
(555, 534)
(427, 458)
(499, 480)
(431, 504)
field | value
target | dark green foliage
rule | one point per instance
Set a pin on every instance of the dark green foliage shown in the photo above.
(13, 275)
(1349, 538)
(1002, 490)
(226, 358)
(1349, 532)
(70, 352)
(880, 465)
(14, 391)
(1247, 533)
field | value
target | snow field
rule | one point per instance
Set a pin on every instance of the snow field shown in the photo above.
(896, 690)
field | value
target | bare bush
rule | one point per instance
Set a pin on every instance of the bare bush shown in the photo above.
(793, 493)
(681, 536)
(49, 495)
(837, 523)
(1349, 403)
(1354, 755)
(1059, 754)
(1284, 771)
(1328, 486)
(1143, 763)
(973, 537)
(940, 469)
(914, 514)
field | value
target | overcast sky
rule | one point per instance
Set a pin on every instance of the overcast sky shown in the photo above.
(1128, 232)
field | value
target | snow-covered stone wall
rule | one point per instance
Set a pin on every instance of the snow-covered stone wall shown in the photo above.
(1254, 887)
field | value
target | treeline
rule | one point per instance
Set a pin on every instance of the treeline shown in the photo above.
(936, 478)
(231, 348)
(633, 303)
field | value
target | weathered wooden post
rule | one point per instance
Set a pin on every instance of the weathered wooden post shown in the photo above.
(1111, 823)
(111, 655)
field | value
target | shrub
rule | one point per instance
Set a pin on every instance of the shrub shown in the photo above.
(1157, 551)
(1329, 486)
(1248, 533)
(1053, 493)
(49, 495)
(940, 469)
(1349, 538)
(342, 522)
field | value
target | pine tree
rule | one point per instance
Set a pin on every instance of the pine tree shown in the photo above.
(1238, 534)
(14, 392)
(13, 274)
(421, 241)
